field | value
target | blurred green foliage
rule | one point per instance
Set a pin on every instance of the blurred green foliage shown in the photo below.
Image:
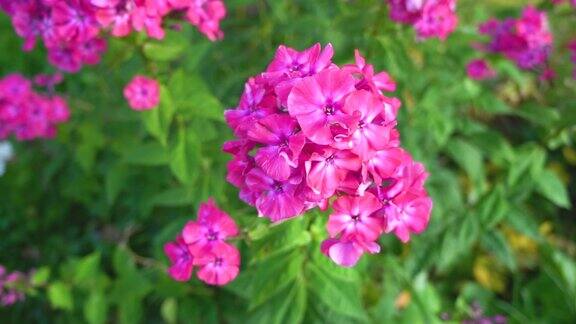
(92, 209)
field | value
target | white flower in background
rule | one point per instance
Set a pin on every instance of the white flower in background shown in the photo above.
(6, 154)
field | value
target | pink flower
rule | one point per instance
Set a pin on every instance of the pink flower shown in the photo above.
(284, 144)
(431, 18)
(213, 226)
(27, 114)
(203, 243)
(352, 218)
(142, 93)
(479, 70)
(180, 258)
(308, 131)
(327, 168)
(74, 20)
(206, 15)
(526, 40)
(370, 134)
(220, 266)
(277, 200)
(316, 103)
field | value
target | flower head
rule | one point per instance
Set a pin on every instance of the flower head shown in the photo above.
(309, 131)
(142, 93)
(202, 243)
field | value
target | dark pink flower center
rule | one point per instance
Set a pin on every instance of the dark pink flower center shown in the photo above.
(212, 235)
(329, 109)
(218, 262)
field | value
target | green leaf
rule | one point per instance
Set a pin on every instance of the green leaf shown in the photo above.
(149, 154)
(122, 262)
(40, 276)
(494, 242)
(273, 275)
(494, 207)
(469, 158)
(186, 157)
(551, 187)
(193, 98)
(169, 310)
(168, 49)
(96, 308)
(114, 182)
(159, 119)
(87, 269)
(174, 197)
(338, 295)
(60, 296)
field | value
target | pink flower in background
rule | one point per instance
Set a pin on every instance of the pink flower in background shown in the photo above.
(479, 70)
(180, 258)
(142, 93)
(430, 18)
(572, 49)
(309, 131)
(71, 29)
(11, 286)
(206, 16)
(527, 40)
(202, 243)
(27, 114)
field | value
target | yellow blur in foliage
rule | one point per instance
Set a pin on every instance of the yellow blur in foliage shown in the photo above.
(489, 273)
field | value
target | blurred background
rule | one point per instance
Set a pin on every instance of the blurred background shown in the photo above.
(90, 210)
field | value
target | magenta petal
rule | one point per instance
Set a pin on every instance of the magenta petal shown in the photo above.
(345, 254)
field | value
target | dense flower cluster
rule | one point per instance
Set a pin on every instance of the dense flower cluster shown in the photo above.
(572, 48)
(557, 2)
(479, 69)
(26, 113)
(308, 131)
(142, 93)
(10, 287)
(527, 40)
(430, 18)
(203, 243)
(6, 154)
(71, 29)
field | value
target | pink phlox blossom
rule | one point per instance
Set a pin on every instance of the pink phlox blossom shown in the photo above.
(142, 93)
(430, 18)
(308, 131)
(479, 69)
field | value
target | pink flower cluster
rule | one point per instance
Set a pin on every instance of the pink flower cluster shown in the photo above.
(557, 2)
(430, 18)
(309, 131)
(572, 49)
(142, 93)
(71, 29)
(28, 114)
(203, 243)
(9, 284)
(479, 69)
(527, 40)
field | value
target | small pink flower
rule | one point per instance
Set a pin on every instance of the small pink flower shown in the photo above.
(180, 258)
(479, 70)
(142, 93)
(203, 243)
(213, 226)
(220, 266)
